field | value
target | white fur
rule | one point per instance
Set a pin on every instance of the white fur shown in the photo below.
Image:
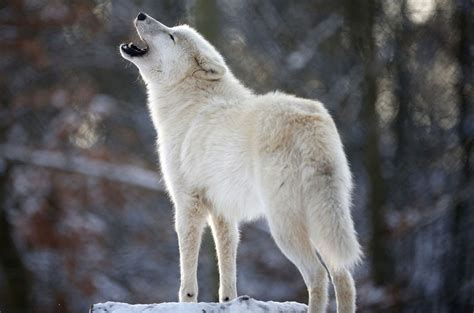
(229, 155)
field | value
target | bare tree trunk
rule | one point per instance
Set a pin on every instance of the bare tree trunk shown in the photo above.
(207, 19)
(402, 86)
(460, 264)
(361, 17)
(17, 295)
(17, 280)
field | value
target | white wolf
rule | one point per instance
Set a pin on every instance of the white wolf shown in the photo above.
(228, 155)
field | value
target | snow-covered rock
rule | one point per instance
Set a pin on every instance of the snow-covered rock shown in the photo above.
(241, 304)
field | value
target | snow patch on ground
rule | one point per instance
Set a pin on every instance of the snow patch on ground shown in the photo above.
(241, 304)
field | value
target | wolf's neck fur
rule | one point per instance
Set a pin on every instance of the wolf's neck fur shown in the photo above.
(175, 107)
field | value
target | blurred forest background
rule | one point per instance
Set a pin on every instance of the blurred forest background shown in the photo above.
(83, 214)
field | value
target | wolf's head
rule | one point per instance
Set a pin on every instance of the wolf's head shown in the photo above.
(173, 54)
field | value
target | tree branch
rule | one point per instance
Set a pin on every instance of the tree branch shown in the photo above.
(126, 174)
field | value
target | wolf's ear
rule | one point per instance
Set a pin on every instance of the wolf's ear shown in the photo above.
(209, 68)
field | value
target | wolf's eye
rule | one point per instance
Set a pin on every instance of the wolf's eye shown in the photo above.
(172, 38)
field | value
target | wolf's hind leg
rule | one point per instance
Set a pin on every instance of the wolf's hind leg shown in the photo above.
(190, 222)
(291, 235)
(345, 291)
(226, 238)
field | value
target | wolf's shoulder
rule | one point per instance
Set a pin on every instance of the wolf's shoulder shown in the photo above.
(278, 101)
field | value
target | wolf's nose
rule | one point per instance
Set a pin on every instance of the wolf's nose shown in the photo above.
(141, 16)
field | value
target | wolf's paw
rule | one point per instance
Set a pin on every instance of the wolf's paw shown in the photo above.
(187, 296)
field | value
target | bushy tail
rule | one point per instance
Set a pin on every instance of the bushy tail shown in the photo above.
(327, 202)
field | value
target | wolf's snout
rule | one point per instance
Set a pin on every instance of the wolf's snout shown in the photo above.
(146, 24)
(141, 16)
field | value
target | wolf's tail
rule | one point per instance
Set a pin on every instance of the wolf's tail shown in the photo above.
(327, 201)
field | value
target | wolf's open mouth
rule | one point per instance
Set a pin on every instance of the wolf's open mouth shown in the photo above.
(133, 50)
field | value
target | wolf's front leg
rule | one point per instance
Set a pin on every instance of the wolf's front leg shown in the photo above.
(190, 222)
(226, 238)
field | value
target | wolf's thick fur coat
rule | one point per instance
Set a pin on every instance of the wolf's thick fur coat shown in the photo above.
(228, 155)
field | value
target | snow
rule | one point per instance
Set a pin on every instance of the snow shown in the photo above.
(241, 304)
